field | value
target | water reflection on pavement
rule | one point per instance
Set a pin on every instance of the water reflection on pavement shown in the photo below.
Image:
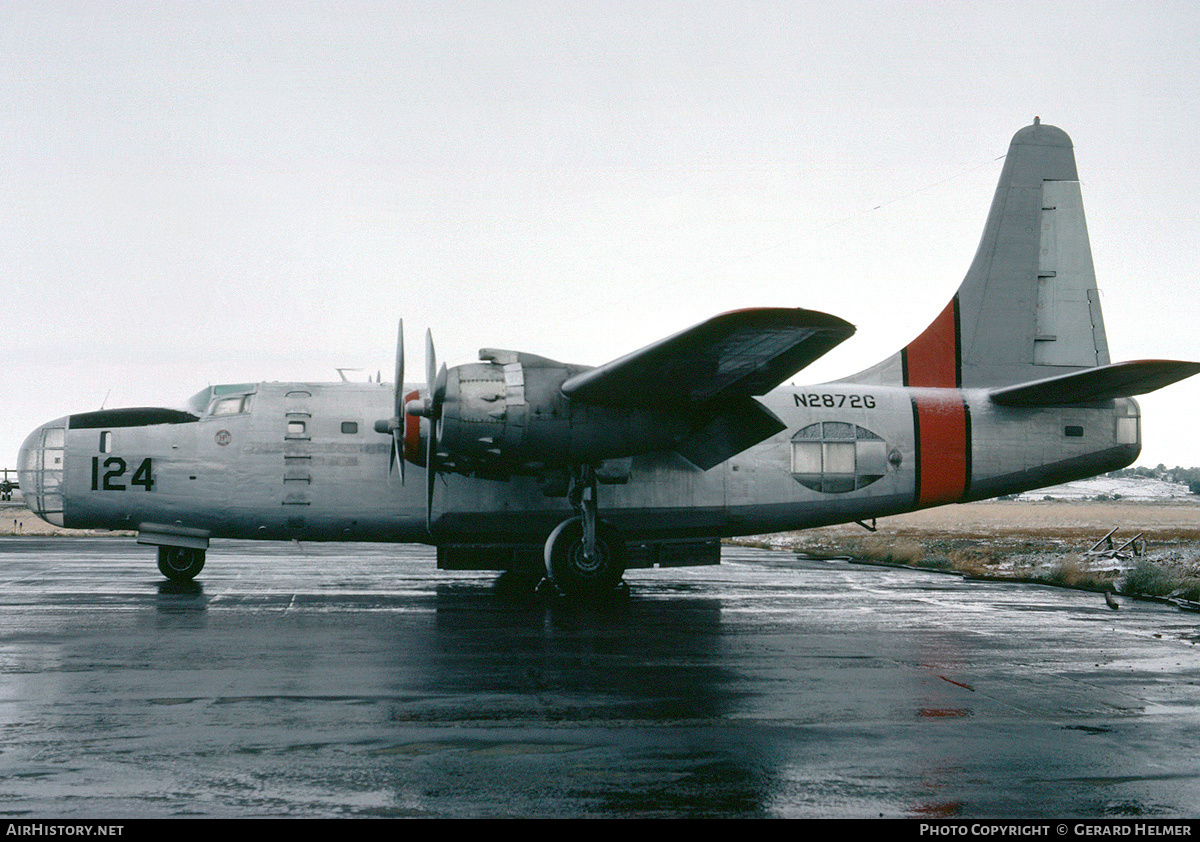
(335, 680)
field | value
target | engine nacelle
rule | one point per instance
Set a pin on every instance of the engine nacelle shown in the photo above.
(508, 415)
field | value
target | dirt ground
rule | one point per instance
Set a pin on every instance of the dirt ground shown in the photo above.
(18, 520)
(1018, 538)
(1049, 520)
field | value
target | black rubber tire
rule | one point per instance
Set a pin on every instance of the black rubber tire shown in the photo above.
(180, 564)
(576, 576)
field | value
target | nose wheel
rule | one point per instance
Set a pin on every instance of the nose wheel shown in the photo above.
(180, 564)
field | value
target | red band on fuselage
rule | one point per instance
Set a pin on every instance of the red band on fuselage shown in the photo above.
(943, 447)
(933, 358)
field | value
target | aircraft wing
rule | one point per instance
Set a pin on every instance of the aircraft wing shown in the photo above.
(731, 356)
(1119, 380)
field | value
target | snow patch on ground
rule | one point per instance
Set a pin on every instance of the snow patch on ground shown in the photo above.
(1129, 488)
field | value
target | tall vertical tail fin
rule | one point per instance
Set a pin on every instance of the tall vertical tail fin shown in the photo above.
(1028, 307)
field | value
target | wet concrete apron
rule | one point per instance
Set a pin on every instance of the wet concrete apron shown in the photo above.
(333, 680)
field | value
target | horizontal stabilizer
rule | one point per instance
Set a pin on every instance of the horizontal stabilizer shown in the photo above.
(734, 355)
(1106, 382)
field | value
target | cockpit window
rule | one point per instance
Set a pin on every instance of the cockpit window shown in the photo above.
(231, 406)
(199, 402)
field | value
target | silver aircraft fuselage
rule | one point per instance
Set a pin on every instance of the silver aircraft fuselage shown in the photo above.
(302, 461)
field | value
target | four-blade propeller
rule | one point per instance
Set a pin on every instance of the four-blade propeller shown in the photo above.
(428, 406)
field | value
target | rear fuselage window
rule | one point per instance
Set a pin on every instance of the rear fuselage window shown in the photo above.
(350, 427)
(834, 457)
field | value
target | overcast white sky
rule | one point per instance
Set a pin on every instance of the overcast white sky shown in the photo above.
(211, 192)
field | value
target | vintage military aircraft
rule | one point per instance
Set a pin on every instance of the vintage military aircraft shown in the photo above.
(7, 486)
(522, 463)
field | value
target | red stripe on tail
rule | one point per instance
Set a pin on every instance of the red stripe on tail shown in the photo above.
(935, 357)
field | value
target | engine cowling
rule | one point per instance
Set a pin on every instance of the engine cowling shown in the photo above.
(508, 415)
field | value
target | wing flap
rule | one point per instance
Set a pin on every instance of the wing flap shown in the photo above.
(1106, 382)
(737, 354)
(738, 427)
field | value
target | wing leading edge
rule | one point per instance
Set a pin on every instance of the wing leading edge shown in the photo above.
(733, 355)
(712, 371)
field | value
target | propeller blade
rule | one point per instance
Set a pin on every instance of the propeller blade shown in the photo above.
(399, 386)
(395, 424)
(430, 362)
(439, 391)
(430, 473)
(398, 403)
(436, 382)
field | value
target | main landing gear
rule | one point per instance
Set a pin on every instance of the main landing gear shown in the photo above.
(585, 557)
(180, 564)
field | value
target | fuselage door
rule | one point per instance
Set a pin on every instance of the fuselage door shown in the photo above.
(297, 451)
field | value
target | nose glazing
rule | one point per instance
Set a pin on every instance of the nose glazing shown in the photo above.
(40, 466)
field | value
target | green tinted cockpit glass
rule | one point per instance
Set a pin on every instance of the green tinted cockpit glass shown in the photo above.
(199, 402)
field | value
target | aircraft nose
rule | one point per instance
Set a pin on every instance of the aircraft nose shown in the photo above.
(40, 470)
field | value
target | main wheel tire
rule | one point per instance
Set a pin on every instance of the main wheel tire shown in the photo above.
(579, 576)
(180, 564)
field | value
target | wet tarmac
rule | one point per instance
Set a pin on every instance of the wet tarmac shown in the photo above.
(358, 680)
